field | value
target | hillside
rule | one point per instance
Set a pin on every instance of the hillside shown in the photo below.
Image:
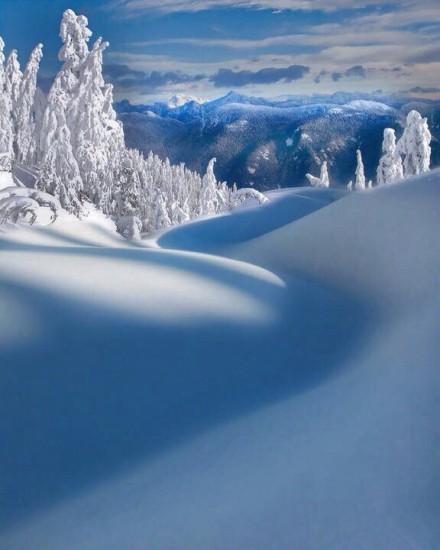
(279, 391)
(258, 142)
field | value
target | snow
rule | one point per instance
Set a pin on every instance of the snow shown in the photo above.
(364, 104)
(6, 180)
(261, 379)
(180, 99)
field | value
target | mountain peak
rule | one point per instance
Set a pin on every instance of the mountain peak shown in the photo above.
(181, 99)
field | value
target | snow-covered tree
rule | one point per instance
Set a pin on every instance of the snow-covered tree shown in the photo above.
(59, 172)
(63, 93)
(239, 196)
(162, 219)
(413, 146)
(390, 167)
(38, 110)
(75, 34)
(208, 202)
(13, 77)
(360, 173)
(89, 140)
(6, 135)
(323, 180)
(24, 139)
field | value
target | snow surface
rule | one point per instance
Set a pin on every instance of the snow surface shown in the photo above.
(6, 180)
(263, 379)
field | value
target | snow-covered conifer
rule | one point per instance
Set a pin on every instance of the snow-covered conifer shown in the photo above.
(98, 139)
(360, 173)
(13, 77)
(323, 180)
(414, 145)
(59, 173)
(390, 167)
(75, 34)
(162, 219)
(208, 199)
(24, 138)
(6, 136)
(63, 93)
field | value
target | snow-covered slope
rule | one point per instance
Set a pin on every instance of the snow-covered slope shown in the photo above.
(281, 393)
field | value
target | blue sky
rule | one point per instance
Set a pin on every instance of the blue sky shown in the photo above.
(257, 47)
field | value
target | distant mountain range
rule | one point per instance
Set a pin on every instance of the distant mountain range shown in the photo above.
(274, 143)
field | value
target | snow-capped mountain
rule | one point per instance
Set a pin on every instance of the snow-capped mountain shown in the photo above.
(264, 143)
(180, 99)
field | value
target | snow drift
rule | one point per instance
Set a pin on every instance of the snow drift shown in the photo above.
(278, 392)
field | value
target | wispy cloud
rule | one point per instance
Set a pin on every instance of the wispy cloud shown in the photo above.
(134, 7)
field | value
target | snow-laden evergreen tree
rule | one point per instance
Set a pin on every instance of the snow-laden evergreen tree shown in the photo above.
(75, 35)
(94, 122)
(25, 116)
(162, 219)
(323, 180)
(38, 110)
(214, 196)
(59, 173)
(208, 199)
(63, 93)
(6, 135)
(96, 137)
(360, 173)
(390, 167)
(413, 146)
(13, 76)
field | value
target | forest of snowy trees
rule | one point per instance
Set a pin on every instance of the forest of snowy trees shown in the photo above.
(75, 144)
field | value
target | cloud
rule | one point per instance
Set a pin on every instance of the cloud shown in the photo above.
(125, 78)
(226, 78)
(356, 70)
(132, 8)
(420, 90)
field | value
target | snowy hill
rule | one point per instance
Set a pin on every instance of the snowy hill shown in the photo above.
(278, 392)
(258, 142)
